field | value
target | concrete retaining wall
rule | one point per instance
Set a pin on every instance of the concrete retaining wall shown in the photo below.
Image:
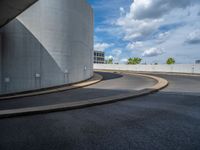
(49, 44)
(182, 68)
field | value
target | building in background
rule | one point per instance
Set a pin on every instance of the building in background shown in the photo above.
(99, 57)
(197, 62)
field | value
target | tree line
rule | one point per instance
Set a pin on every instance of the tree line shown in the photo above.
(137, 60)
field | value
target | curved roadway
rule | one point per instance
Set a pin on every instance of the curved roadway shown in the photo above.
(112, 84)
(167, 120)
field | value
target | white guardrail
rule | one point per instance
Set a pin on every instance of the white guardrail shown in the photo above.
(177, 68)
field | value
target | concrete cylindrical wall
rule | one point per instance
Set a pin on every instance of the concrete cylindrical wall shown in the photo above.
(49, 44)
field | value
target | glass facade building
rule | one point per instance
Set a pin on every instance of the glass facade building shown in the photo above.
(99, 57)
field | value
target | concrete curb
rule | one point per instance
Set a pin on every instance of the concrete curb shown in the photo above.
(95, 79)
(161, 83)
(173, 74)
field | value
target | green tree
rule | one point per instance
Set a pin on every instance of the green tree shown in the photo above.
(170, 61)
(134, 61)
(109, 61)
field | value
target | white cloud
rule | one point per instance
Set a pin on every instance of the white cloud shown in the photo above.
(194, 37)
(124, 60)
(149, 24)
(102, 46)
(135, 29)
(109, 57)
(144, 18)
(134, 45)
(122, 11)
(116, 54)
(143, 9)
(152, 52)
(162, 37)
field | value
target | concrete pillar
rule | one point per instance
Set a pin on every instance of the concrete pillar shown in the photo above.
(49, 44)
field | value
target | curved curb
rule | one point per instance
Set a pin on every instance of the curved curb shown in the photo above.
(95, 79)
(162, 83)
(81, 104)
(174, 74)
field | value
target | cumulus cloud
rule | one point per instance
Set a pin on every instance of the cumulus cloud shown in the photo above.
(134, 45)
(122, 11)
(109, 57)
(148, 24)
(146, 16)
(136, 29)
(152, 52)
(124, 60)
(102, 46)
(116, 53)
(143, 9)
(162, 37)
(194, 37)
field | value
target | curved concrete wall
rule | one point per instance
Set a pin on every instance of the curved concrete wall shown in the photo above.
(177, 68)
(49, 44)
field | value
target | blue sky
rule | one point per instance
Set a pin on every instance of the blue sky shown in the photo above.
(151, 29)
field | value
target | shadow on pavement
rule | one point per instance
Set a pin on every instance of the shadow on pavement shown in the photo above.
(109, 76)
(60, 97)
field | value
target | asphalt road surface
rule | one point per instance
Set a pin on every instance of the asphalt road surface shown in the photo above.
(167, 120)
(112, 84)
